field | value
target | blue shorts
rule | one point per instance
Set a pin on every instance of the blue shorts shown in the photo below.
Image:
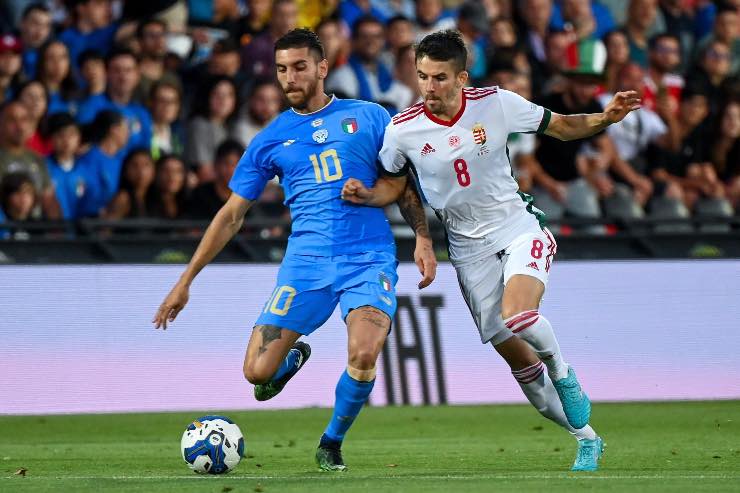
(309, 287)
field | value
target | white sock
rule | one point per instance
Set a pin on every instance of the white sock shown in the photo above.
(540, 392)
(536, 330)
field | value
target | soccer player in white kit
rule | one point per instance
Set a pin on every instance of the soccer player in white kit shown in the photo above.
(455, 141)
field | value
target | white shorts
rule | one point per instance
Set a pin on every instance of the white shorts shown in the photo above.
(482, 281)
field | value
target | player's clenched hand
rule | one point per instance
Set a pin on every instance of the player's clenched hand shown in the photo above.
(171, 306)
(620, 105)
(426, 261)
(355, 191)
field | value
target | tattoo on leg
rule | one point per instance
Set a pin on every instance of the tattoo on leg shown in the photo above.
(269, 334)
(374, 316)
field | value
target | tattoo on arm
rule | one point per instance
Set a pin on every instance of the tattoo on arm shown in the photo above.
(412, 210)
(269, 334)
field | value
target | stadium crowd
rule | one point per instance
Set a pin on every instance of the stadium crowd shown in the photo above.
(118, 109)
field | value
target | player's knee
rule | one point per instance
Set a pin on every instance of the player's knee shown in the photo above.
(256, 374)
(362, 358)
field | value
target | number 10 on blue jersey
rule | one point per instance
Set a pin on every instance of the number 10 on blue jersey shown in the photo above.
(323, 170)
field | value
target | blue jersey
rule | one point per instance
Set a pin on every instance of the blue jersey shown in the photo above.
(313, 155)
(70, 186)
(104, 173)
(138, 118)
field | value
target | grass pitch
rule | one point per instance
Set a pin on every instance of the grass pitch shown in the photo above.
(681, 446)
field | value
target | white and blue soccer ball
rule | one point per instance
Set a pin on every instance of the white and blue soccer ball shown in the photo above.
(212, 445)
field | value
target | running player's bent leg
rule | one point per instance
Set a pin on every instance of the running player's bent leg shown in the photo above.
(536, 385)
(266, 353)
(519, 309)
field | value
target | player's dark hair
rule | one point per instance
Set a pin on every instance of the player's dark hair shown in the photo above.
(444, 46)
(301, 38)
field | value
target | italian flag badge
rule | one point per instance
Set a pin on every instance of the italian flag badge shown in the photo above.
(349, 125)
(385, 282)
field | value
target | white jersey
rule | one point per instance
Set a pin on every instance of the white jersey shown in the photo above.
(463, 166)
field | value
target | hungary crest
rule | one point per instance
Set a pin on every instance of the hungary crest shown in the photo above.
(479, 134)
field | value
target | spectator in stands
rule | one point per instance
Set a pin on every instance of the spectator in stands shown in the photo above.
(10, 65)
(533, 31)
(725, 149)
(258, 57)
(226, 61)
(556, 47)
(254, 23)
(680, 24)
(69, 175)
(587, 19)
(214, 119)
(405, 72)
(365, 77)
(473, 24)
(573, 173)
(351, 10)
(431, 17)
(32, 94)
(167, 133)
(123, 77)
(617, 56)
(17, 197)
(209, 197)
(662, 84)
(92, 72)
(712, 72)
(54, 71)
(640, 17)
(399, 34)
(726, 30)
(35, 30)
(335, 42)
(136, 195)
(170, 192)
(264, 104)
(109, 135)
(634, 134)
(92, 27)
(15, 129)
(681, 172)
(152, 40)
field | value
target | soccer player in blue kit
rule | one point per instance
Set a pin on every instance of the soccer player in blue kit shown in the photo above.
(338, 252)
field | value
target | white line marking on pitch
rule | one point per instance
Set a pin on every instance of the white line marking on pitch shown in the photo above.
(399, 477)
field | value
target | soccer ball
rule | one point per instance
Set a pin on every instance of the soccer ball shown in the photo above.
(212, 445)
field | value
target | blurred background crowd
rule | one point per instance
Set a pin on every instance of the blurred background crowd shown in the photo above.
(132, 109)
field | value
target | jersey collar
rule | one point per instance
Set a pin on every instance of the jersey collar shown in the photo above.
(333, 97)
(455, 118)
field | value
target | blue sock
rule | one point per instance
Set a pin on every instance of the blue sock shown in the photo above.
(351, 395)
(287, 365)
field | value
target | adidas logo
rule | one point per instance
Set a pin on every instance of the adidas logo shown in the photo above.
(533, 265)
(427, 149)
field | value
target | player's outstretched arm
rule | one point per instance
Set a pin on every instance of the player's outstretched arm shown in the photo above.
(412, 211)
(571, 127)
(225, 224)
(385, 191)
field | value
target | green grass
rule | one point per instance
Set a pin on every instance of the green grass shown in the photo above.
(682, 446)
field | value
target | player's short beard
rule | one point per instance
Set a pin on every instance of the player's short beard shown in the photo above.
(308, 94)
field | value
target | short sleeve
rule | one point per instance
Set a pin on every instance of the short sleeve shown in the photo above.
(523, 116)
(392, 161)
(253, 171)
